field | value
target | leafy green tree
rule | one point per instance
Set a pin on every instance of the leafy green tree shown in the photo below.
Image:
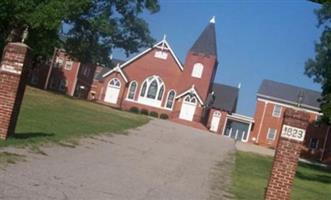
(319, 68)
(87, 29)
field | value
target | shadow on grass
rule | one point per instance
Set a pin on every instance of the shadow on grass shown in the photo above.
(316, 167)
(24, 136)
(323, 178)
(317, 178)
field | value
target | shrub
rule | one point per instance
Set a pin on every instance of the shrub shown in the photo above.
(154, 114)
(144, 111)
(164, 116)
(134, 110)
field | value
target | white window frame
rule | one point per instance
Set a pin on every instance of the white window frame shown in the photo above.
(173, 101)
(68, 65)
(161, 55)
(310, 142)
(149, 101)
(114, 86)
(189, 98)
(135, 91)
(197, 70)
(275, 134)
(274, 114)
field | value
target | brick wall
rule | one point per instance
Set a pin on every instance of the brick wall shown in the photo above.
(286, 158)
(13, 73)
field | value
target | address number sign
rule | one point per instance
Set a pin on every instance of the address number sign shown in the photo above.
(293, 133)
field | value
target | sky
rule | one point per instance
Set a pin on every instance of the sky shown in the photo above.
(256, 40)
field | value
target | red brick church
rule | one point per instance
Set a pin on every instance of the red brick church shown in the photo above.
(155, 80)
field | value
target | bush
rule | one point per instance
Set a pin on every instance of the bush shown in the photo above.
(144, 111)
(154, 114)
(164, 116)
(134, 110)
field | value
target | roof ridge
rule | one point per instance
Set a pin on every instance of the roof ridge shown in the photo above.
(291, 85)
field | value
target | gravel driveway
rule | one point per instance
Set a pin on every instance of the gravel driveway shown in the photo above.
(161, 160)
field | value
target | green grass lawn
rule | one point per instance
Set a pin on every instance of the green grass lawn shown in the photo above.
(251, 174)
(49, 117)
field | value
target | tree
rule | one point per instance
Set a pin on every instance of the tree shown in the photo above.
(319, 68)
(87, 29)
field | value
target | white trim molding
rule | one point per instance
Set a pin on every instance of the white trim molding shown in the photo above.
(294, 104)
(288, 106)
(119, 70)
(191, 90)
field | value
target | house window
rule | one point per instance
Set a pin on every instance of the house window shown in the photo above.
(271, 134)
(277, 111)
(143, 89)
(170, 99)
(68, 65)
(154, 87)
(313, 143)
(132, 90)
(152, 90)
(197, 70)
(159, 97)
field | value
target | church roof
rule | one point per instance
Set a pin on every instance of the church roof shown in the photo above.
(225, 97)
(206, 43)
(114, 61)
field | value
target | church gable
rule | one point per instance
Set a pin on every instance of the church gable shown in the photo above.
(158, 55)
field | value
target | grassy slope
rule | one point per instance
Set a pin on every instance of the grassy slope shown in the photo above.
(46, 116)
(252, 172)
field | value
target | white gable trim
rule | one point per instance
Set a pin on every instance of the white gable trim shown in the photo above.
(174, 55)
(119, 70)
(157, 45)
(192, 91)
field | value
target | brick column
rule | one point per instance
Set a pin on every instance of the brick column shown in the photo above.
(287, 155)
(13, 73)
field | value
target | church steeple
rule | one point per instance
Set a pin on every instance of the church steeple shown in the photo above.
(206, 43)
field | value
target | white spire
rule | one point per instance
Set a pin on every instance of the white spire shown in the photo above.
(212, 20)
(164, 37)
(239, 85)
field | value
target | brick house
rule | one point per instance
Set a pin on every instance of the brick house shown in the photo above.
(272, 99)
(64, 74)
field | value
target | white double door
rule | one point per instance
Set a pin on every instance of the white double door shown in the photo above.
(188, 108)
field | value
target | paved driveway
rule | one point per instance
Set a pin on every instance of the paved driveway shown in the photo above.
(161, 160)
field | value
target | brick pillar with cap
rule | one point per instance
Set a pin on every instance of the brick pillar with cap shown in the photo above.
(16, 60)
(287, 155)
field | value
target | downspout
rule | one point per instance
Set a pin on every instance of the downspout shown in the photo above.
(50, 69)
(260, 127)
(325, 143)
